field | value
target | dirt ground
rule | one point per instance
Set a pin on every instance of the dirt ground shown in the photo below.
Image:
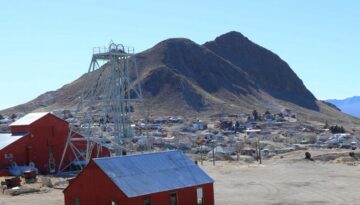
(289, 180)
(53, 197)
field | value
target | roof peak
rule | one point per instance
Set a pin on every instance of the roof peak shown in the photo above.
(29, 118)
(138, 175)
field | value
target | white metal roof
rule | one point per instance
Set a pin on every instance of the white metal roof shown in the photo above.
(29, 118)
(8, 138)
(142, 174)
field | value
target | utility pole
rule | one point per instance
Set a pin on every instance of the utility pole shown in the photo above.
(213, 151)
(214, 156)
(259, 149)
(199, 143)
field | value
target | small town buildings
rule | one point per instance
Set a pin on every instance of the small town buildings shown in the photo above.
(219, 137)
(159, 178)
(160, 120)
(199, 125)
(223, 150)
(5, 120)
(248, 151)
(251, 133)
(201, 149)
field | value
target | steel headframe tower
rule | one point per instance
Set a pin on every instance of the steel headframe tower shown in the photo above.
(103, 115)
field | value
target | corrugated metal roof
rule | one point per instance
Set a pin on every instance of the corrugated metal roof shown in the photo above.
(8, 138)
(137, 175)
(29, 118)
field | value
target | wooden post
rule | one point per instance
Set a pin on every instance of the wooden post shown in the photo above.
(259, 150)
(214, 155)
(201, 154)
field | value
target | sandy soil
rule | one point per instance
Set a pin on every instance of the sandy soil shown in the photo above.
(289, 180)
(53, 197)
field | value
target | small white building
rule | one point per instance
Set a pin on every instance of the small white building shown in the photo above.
(199, 125)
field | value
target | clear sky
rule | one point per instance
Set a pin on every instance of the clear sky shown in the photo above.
(46, 44)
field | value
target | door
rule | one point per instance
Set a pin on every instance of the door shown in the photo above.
(51, 160)
(29, 154)
(173, 199)
(200, 196)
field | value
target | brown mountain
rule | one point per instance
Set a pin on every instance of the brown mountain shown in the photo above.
(190, 74)
(230, 74)
(268, 70)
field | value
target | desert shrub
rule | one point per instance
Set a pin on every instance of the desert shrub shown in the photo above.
(337, 129)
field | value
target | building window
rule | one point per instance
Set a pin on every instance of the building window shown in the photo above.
(147, 201)
(8, 156)
(199, 196)
(173, 199)
(76, 201)
(114, 203)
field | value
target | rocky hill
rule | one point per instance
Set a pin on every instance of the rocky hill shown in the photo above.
(265, 68)
(228, 75)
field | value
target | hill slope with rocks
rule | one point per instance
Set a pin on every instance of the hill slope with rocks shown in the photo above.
(268, 70)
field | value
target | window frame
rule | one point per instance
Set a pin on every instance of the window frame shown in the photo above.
(76, 201)
(147, 198)
(114, 202)
(8, 155)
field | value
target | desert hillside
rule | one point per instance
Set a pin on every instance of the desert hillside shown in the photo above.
(230, 74)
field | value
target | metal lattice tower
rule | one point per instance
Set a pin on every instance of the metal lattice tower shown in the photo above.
(104, 111)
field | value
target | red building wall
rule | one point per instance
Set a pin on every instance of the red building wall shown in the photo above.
(93, 187)
(186, 196)
(19, 151)
(45, 134)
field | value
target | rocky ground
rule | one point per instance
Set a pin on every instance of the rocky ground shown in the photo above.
(332, 178)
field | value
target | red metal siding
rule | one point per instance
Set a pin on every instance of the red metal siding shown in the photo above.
(48, 131)
(92, 186)
(19, 151)
(186, 196)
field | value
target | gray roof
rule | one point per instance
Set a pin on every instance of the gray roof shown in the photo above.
(29, 118)
(137, 175)
(8, 138)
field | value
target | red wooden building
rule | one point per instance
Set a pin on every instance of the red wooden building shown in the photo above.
(37, 137)
(161, 178)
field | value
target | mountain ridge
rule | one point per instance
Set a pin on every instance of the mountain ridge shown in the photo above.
(350, 105)
(266, 67)
(230, 75)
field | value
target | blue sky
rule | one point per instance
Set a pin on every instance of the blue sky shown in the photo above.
(46, 44)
